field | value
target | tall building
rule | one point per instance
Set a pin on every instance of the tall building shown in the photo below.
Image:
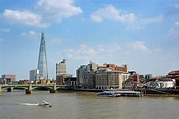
(42, 60)
(34, 75)
(61, 72)
(61, 68)
(86, 75)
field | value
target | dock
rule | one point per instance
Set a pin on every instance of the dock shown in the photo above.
(129, 93)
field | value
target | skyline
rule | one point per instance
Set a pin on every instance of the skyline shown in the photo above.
(142, 34)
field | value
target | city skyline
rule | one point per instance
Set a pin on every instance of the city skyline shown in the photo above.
(142, 34)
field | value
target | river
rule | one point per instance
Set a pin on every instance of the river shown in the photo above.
(85, 105)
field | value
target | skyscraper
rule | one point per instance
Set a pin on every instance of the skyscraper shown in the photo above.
(61, 68)
(42, 61)
(34, 74)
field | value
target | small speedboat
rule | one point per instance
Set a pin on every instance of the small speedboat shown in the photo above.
(44, 104)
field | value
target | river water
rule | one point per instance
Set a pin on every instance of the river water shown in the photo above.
(85, 105)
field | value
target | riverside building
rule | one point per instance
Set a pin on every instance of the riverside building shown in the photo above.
(86, 75)
(61, 73)
(111, 76)
(101, 77)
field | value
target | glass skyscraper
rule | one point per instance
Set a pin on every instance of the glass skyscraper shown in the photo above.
(42, 61)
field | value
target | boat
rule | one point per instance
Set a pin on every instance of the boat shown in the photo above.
(109, 94)
(117, 93)
(44, 104)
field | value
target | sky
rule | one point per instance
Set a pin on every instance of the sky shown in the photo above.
(144, 34)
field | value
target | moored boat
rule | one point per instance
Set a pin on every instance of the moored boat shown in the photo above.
(108, 94)
(117, 93)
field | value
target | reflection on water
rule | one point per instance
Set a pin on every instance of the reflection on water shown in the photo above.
(83, 105)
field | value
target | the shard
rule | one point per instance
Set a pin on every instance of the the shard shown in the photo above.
(42, 60)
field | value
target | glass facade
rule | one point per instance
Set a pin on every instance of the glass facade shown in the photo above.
(42, 61)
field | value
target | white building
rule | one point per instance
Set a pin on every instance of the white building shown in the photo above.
(161, 83)
(165, 83)
(34, 75)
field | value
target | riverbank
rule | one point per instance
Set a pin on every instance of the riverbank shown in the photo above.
(146, 92)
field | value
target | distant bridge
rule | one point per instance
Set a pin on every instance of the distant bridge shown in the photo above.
(30, 87)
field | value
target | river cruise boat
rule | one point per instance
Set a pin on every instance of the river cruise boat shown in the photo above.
(108, 94)
(118, 93)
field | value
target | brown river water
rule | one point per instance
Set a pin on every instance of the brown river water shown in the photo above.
(85, 105)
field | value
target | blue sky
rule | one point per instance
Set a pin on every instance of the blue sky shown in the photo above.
(142, 34)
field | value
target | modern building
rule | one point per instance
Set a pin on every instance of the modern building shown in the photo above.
(8, 78)
(34, 75)
(107, 78)
(86, 75)
(61, 68)
(42, 60)
(61, 73)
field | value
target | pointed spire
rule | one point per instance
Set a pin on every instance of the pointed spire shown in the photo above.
(42, 60)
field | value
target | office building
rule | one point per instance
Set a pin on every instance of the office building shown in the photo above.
(86, 75)
(61, 68)
(42, 60)
(111, 76)
(34, 75)
(61, 72)
(8, 78)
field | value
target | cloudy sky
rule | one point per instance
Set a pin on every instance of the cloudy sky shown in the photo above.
(141, 33)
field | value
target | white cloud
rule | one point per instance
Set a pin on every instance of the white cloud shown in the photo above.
(55, 40)
(176, 6)
(138, 45)
(55, 10)
(23, 17)
(1, 39)
(5, 30)
(153, 19)
(177, 23)
(32, 33)
(29, 33)
(173, 33)
(47, 12)
(85, 52)
(111, 13)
